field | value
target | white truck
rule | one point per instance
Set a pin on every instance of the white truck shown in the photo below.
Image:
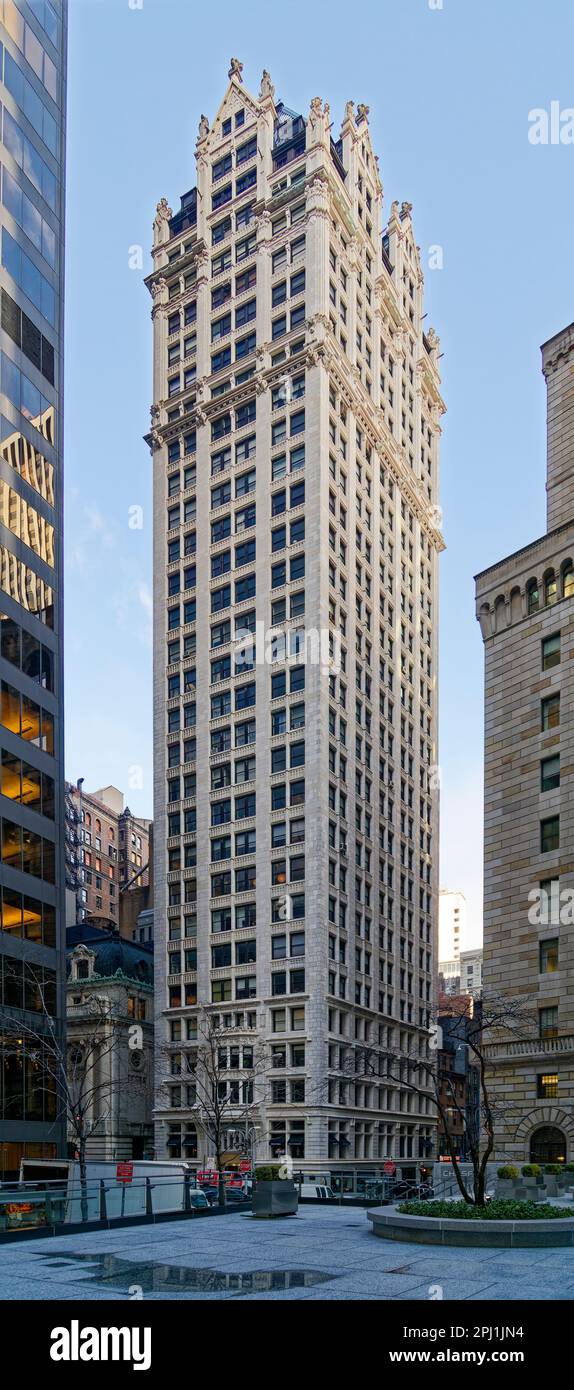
(126, 1188)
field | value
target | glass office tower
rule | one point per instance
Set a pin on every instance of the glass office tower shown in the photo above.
(32, 926)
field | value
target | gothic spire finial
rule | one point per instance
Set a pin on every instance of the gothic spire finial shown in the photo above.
(235, 69)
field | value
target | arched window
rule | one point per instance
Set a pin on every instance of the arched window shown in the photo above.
(533, 596)
(548, 1145)
(550, 588)
(568, 579)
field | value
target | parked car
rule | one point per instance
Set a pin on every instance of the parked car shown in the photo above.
(318, 1190)
(236, 1194)
(212, 1195)
(198, 1199)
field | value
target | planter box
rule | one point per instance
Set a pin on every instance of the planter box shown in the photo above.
(510, 1188)
(534, 1190)
(278, 1198)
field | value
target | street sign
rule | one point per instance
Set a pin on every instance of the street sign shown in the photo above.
(124, 1172)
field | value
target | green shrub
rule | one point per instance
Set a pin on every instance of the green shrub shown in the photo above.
(531, 1170)
(569, 1167)
(553, 1169)
(269, 1173)
(497, 1210)
(508, 1172)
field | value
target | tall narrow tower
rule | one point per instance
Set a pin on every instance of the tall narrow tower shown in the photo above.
(295, 432)
(33, 42)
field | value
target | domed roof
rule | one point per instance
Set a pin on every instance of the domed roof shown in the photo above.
(113, 954)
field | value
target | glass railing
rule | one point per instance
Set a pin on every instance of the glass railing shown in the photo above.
(25, 1206)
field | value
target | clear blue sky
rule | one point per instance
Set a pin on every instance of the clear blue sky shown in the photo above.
(450, 91)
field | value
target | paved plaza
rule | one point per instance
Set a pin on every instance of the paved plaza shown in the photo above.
(319, 1254)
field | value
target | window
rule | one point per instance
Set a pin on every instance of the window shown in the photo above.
(220, 231)
(550, 773)
(547, 1086)
(533, 597)
(548, 1022)
(246, 151)
(550, 712)
(220, 328)
(245, 346)
(221, 168)
(550, 834)
(246, 313)
(548, 955)
(568, 579)
(551, 651)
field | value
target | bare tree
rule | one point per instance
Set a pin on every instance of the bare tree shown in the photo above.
(75, 1075)
(226, 1104)
(422, 1072)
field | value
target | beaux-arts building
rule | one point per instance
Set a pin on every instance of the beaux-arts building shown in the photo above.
(32, 928)
(295, 437)
(526, 613)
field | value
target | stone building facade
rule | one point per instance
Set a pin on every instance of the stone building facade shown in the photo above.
(295, 438)
(107, 857)
(117, 1039)
(525, 606)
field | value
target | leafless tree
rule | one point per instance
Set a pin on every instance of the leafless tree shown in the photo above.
(76, 1074)
(422, 1072)
(226, 1104)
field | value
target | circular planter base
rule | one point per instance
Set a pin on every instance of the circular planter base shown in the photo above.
(389, 1224)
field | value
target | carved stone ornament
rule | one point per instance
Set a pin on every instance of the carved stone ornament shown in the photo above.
(349, 111)
(235, 69)
(266, 89)
(159, 290)
(362, 112)
(163, 212)
(203, 128)
(406, 209)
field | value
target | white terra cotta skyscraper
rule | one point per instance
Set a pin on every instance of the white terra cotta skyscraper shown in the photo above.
(295, 434)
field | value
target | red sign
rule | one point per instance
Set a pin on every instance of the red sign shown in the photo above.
(390, 1169)
(124, 1172)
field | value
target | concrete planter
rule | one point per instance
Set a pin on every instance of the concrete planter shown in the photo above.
(534, 1188)
(551, 1185)
(511, 1189)
(277, 1198)
(389, 1224)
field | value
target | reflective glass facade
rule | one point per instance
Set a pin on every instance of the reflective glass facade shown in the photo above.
(33, 37)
